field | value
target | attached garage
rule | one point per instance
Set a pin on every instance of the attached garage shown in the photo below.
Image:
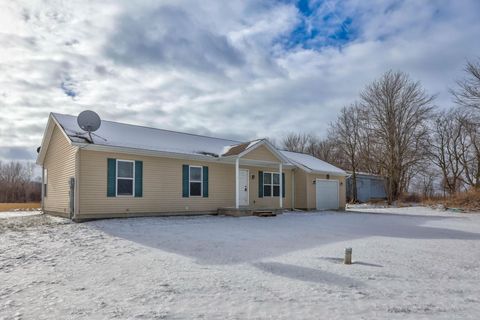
(318, 185)
(327, 194)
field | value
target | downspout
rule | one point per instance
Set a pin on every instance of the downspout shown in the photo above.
(293, 189)
(43, 189)
(307, 189)
(280, 170)
(237, 190)
(76, 209)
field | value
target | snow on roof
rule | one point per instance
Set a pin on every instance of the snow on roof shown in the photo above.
(312, 163)
(116, 134)
(367, 174)
(239, 148)
(124, 135)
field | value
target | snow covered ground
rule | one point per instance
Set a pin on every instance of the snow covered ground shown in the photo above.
(409, 263)
(18, 213)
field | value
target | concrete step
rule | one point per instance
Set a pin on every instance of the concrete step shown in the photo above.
(264, 213)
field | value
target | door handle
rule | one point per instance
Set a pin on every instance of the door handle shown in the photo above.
(245, 189)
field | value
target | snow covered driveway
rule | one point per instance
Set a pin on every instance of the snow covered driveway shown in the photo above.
(412, 263)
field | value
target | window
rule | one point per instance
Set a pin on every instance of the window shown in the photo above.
(195, 181)
(276, 184)
(45, 178)
(125, 177)
(271, 184)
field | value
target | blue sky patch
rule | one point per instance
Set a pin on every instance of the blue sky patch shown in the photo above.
(318, 29)
(67, 87)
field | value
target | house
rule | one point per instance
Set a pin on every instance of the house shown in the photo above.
(125, 170)
(369, 187)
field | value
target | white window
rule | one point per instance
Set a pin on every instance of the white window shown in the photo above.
(271, 184)
(196, 175)
(125, 177)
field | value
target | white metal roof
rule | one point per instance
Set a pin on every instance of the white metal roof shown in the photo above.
(116, 134)
(131, 136)
(312, 164)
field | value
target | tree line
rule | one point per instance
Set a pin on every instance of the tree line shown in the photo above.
(16, 182)
(394, 129)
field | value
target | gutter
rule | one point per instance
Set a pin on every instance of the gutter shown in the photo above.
(164, 154)
(338, 174)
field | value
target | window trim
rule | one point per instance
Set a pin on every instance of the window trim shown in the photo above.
(196, 181)
(124, 178)
(271, 184)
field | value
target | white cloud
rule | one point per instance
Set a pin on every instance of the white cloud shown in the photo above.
(215, 67)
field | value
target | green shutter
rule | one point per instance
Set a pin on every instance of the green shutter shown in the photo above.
(138, 179)
(111, 177)
(185, 181)
(283, 185)
(260, 184)
(205, 182)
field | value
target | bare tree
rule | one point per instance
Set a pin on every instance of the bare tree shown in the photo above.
(467, 93)
(398, 109)
(346, 134)
(447, 147)
(368, 160)
(326, 150)
(16, 183)
(425, 179)
(297, 142)
(470, 151)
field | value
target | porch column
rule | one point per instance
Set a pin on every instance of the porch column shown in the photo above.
(281, 185)
(237, 177)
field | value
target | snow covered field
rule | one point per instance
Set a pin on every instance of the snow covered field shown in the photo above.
(409, 263)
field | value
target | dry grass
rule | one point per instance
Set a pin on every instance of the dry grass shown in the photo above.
(19, 206)
(468, 201)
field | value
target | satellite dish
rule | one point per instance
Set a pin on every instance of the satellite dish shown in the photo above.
(89, 121)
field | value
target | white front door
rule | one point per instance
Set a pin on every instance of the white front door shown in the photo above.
(243, 187)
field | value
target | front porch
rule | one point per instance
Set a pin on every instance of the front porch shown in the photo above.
(249, 211)
(259, 179)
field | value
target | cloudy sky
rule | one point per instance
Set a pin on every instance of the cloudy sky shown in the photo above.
(237, 69)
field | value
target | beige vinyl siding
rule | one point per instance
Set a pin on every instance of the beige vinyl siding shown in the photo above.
(60, 164)
(162, 187)
(268, 202)
(311, 191)
(261, 153)
(300, 189)
(305, 195)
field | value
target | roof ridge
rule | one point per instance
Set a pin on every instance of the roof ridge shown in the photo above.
(248, 142)
(142, 126)
(307, 154)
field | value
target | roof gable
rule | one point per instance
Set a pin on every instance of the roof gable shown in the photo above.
(255, 147)
(47, 135)
(236, 149)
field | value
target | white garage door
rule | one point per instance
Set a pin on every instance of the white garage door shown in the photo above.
(327, 194)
